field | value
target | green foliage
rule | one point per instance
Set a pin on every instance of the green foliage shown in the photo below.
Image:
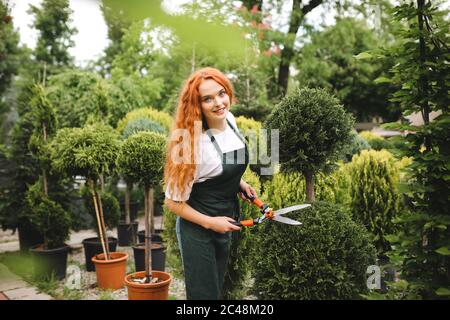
(422, 72)
(117, 25)
(52, 20)
(290, 188)
(239, 261)
(187, 29)
(10, 53)
(159, 117)
(88, 151)
(328, 61)
(313, 129)
(141, 158)
(355, 146)
(171, 242)
(110, 205)
(142, 124)
(325, 258)
(375, 201)
(50, 219)
(77, 95)
(127, 94)
(421, 245)
(250, 129)
(21, 170)
(375, 141)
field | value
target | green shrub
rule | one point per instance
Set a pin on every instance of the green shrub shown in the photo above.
(375, 200)
(148, 113)
(325, 258)
(77, 95)
(375, 141)
(355, 146)
(251, 131)
(49, 218)
(142, 124)
(290, 188)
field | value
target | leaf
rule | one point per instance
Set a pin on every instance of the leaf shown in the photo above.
(443, 251)
(363, 55)
(380, 80)
(443, 292)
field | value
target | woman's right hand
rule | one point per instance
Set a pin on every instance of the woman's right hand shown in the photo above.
(222, 224)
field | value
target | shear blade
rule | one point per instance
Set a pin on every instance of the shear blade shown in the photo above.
(286, 220)
(292, 208)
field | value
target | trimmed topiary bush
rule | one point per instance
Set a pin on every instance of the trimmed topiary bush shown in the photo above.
(313, 128)
(325, 258)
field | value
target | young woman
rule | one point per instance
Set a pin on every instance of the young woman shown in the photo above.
(203, 193)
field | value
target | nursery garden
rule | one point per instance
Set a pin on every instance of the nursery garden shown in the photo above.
(361, 113)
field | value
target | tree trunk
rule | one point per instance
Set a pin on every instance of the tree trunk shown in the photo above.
(297, 16)
(423, 80)
(102, 225)
(127, 203)
(148, 207)
(97, 214)
(310, 195)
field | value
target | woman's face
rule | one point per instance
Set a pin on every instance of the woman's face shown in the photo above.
(215, 101)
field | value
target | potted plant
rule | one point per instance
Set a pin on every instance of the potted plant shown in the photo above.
(93, 246)
(46, 215)
(135, 125)
(141, 158)
(91, 152)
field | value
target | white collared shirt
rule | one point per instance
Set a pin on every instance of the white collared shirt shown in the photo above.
(210, 162)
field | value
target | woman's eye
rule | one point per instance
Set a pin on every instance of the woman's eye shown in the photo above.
(222, 94)
(207, 100)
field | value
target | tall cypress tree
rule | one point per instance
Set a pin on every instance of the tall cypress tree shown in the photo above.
(52, 20)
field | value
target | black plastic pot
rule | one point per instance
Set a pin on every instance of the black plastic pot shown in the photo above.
(49, 262)
(93, 246)
(134, 208)
(127, 233)
(158, 257)
(156, 237)
(28, 237)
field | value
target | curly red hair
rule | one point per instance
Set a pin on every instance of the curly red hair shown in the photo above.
(188, 111)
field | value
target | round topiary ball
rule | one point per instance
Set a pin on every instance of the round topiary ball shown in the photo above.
(325, 258)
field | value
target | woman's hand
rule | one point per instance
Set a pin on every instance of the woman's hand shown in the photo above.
(222, 224)
(248, 189)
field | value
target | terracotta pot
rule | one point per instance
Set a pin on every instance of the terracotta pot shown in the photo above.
(110, 273)
(148, 291)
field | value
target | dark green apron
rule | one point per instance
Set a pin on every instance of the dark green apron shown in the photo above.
(205, 252)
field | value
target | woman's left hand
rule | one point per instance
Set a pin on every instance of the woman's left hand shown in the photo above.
(248, 189)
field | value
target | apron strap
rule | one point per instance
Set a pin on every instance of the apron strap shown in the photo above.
(216, 145)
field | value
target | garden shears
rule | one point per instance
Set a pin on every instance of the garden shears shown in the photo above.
(269, 214)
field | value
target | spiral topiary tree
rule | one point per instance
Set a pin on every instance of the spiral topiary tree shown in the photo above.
(313, 128)
(90, 152)
(141, 158)
(48, 216)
